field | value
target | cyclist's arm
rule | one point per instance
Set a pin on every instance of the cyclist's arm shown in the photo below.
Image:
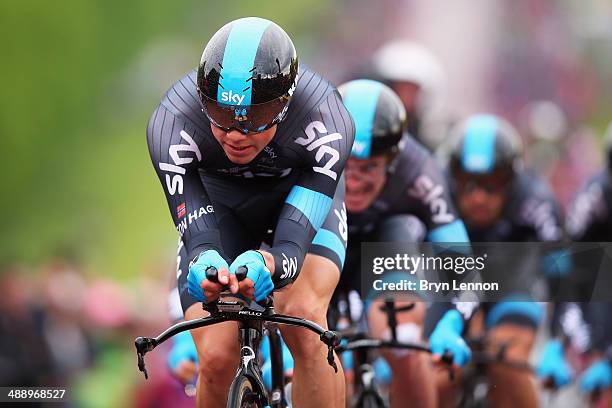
(430, 199)
(175, 148)
(588, 212)
(325, 140)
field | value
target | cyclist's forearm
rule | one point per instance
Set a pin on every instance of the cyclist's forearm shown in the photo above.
(287, 258)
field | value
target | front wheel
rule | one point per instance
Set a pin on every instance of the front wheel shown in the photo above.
(242, 395)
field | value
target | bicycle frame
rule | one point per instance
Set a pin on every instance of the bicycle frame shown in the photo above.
(277, 394)
(250, 335)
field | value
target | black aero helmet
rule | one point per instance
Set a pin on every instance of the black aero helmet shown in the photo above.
(379, 116)
(247, 75)
(485, 144)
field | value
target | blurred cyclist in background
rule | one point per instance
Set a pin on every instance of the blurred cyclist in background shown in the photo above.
(500, 201)
(419, 79)
(588, 326)
(561, 151)
(590, 215)
(545, 129)
(395, 192)
(252, 142)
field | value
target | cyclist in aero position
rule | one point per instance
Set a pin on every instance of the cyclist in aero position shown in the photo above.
(248, 143)
(501, 202)
(394, 188)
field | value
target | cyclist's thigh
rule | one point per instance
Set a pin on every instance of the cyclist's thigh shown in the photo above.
(217, 345)
(309, 295)
(350, 276)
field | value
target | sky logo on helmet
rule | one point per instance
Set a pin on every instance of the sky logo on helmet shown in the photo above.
(232, 97)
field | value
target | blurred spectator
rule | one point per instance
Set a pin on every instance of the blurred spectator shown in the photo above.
(25, 358)
(64, 290)
(107, 306)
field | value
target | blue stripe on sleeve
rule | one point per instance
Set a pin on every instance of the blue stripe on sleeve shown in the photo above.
(330, 240)
(453, 232)
(312, 204)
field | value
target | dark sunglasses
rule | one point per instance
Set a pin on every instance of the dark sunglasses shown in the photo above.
(245, 119)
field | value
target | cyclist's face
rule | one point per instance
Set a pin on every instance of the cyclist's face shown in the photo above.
(241, 148)
(365, 180)
(481, 200)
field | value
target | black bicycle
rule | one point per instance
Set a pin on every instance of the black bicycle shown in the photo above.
(368, 394)
(247, 388)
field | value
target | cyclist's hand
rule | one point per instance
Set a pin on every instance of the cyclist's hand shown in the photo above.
(553, 365)
(597, 377)
(199, 286)
(446, 338)
(183, 358)
(258, 283)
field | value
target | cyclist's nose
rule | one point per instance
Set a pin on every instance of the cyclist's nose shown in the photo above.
(479, 195)
(353, 181)
(234, 135)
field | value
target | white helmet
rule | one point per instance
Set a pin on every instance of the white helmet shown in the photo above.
(408, 61)
(545, 121)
